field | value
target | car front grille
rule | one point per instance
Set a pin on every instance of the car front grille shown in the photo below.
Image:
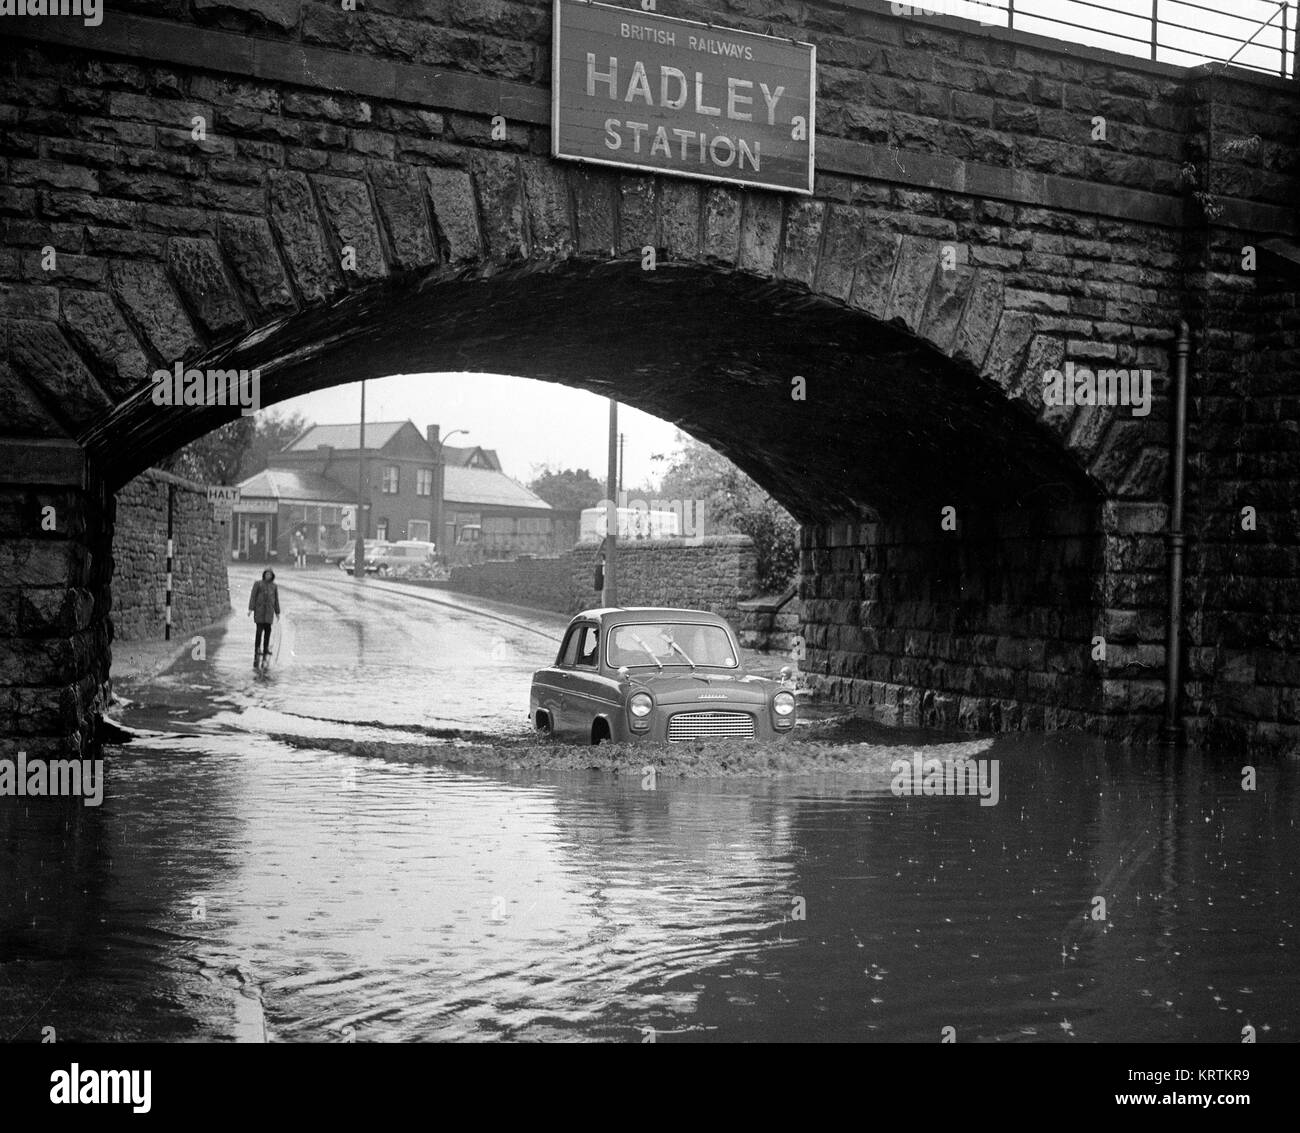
(704, 725)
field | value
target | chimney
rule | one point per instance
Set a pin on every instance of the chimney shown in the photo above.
(431, 434)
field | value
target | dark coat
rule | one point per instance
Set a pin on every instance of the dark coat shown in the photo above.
(264, 601)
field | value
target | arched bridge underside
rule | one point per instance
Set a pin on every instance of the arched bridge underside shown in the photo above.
(873, 355)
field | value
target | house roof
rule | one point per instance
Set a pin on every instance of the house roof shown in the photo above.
(460, 457)
(488, 488)
(295, 486)
(344, 437)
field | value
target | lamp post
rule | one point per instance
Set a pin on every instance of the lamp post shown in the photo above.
(438, 534)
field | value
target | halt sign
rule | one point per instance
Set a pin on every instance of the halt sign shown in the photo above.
(223, 498)
(644, 91)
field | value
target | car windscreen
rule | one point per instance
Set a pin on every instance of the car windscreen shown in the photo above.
(655, 644)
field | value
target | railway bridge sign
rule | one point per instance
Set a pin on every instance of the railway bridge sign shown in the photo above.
(649, 92)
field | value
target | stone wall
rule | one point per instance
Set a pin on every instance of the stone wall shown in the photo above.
(200, 587)
(986, 628)
(773, 624)
(544, 584)
(715, 575)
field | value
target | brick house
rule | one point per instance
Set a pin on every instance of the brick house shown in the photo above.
(401, 474)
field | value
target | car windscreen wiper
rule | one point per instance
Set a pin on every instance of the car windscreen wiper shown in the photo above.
(674, 645)
(647, 648)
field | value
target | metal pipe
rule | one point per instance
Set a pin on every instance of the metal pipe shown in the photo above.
(1172, 731)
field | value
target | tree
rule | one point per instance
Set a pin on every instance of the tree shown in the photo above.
(569, 489)
(274, 432)
(734, 504)
(235, 450)
(215, 458)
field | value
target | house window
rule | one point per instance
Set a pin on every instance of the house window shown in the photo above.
(424, 481)
(390, 480)
(418, 529)
(381, 530)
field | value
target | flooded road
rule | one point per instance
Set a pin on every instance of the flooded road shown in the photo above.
(234, 887)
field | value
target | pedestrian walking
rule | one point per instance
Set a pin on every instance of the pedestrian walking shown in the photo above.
(263, 608)
(299, 549)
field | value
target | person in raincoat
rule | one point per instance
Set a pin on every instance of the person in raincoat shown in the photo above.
(263, 608)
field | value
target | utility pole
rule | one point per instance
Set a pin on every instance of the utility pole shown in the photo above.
(622, 441)
(359, 553)
(439, 491)
(609, 592)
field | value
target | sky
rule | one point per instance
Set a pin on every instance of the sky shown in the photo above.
(529, 423)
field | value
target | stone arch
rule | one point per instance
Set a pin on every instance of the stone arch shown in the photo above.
(923, 387)
(326, 244)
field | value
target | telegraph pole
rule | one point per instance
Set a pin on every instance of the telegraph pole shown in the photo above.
(609, 592)
(359, 552)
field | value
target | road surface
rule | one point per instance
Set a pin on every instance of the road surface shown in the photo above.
(365, 658)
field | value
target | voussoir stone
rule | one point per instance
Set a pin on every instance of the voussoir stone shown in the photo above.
(312, 269)
(455, 210)
(195, 265)
(254, 260)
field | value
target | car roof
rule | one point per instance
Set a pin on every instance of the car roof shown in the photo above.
(650, 614)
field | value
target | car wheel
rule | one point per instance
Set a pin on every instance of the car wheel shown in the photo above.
(543, 727)
(383, 572)
(599, 733)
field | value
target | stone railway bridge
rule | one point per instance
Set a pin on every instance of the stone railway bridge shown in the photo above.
(969, 230)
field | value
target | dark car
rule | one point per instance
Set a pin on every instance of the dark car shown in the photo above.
(373, 548)
(645, 673)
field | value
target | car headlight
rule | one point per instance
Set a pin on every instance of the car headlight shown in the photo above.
(640, 704)
(783, 703)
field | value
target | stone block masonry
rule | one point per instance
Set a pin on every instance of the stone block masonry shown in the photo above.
(200, 585)
(715, 574)
(351, 211)
(544, 584)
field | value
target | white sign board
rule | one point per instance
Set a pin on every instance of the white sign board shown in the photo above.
(223, 498)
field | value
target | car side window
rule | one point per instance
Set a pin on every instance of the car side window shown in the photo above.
(569, 650)
(588, 647)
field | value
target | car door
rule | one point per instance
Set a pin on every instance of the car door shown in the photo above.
(553, 685)
(585, 698)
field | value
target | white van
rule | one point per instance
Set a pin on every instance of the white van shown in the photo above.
(403, 555)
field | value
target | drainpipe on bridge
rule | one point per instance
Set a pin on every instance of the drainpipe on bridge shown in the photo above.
(1172, 732)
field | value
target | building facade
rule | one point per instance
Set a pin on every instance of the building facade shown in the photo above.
(312, 486)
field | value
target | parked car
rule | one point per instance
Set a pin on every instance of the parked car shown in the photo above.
(661, 675)
(372, 549)
(333, 556)
(404, 556)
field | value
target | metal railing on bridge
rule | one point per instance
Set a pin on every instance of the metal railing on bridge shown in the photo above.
(1257, 34)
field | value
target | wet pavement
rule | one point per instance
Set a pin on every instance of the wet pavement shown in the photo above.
(234, 886)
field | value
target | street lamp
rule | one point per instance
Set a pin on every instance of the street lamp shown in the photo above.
(438, 533)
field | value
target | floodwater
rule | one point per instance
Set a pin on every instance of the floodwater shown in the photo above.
(236, 887)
